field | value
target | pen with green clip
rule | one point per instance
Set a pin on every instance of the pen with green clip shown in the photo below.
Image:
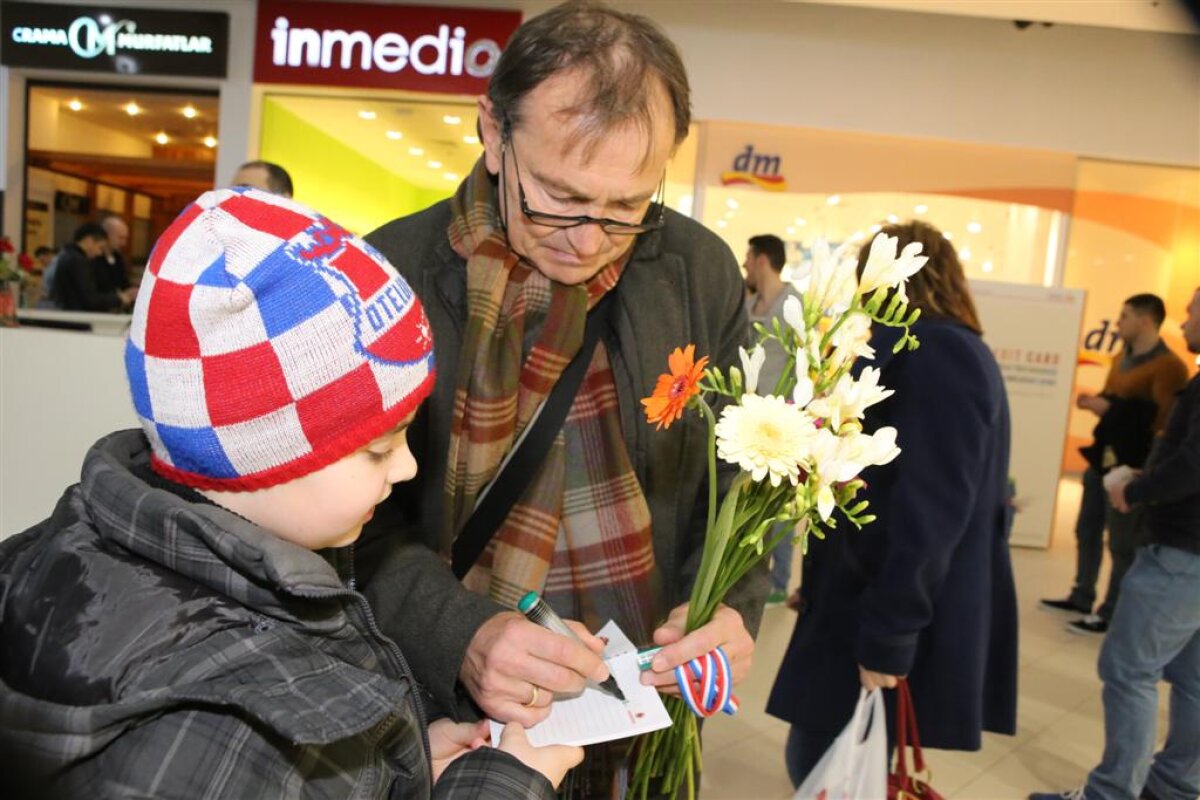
(537, 611)
(645, 657)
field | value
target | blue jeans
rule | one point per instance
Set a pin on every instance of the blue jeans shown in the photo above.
(781, 557)
(1155, 635)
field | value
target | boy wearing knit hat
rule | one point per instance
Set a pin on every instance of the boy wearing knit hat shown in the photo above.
(169, 631)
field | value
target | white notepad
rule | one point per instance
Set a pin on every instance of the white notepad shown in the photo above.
(595, 716)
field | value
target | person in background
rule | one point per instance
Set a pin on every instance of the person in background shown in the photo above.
(112, 268)
(562, 218)
(763, 265)
(77, 279)
(42, 258)
(1132, 407)
(926, 591)
(186, 623)
(1155, 630)
(264, 175)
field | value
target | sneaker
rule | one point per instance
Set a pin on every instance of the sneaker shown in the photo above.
(1089, 625)
(776, 597)
(1074, 794)
(1062, 605)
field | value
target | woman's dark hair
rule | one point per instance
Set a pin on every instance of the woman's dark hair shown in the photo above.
(616, 51)
(939, 288)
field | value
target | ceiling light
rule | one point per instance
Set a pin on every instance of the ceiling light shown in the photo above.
(858, 236)
(892, 219)
(974, 227)
(365, 114)
(132, 108)
(450, 176)
(920, 208)
(986, 266)
(435, 165)
(161, 137)
(731, 203)
(948, 236)
(394, 135)
(470, 140)
(833, 199)
(451, 119)
(210, 141)
(965, 254)
(722, 223)
(75, 105)
(416, 151)
(730, 214)
(189, 111)
(801, 221)
(876, 228)
(790, 231)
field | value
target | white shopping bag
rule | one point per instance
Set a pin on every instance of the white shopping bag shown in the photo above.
(855, 767)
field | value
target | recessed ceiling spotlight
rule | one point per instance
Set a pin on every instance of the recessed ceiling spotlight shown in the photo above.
(450, 176)
(366, 114)
(394, 135)
(416, 151)
(892, 219)
(974, 227)
(948, 236)
(451, 119)
(210, 141)
(435, 165)
(132, 108)
(75, 105)
(801, 221)
(833, 199)
(920, 208)
(470, 140)
(189, 111)
(161, 137)
(986, 266)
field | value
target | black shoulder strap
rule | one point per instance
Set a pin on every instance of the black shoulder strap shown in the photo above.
(529, 452)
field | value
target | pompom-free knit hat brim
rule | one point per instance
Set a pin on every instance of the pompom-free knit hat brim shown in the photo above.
(268, 342)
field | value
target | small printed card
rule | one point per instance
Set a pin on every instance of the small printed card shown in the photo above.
(595, 716)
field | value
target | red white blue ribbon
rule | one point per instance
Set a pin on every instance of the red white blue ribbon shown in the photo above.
(706, 684)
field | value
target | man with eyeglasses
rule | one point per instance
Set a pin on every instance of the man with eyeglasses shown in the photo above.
(562, 214)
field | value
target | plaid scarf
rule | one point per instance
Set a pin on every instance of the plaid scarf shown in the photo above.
(580, 532)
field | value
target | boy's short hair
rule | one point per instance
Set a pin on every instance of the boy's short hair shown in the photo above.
(268, 342)
(1151, 305)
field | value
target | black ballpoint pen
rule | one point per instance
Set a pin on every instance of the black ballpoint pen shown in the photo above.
(537, 611)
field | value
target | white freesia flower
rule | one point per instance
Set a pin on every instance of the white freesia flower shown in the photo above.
(850, 340)
(837, 459)
(802, 395)
(849, 398)
(828, 280)
(752, 363)
(793, 315)
(883, 268)
(766, 437)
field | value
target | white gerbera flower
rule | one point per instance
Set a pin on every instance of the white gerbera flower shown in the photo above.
(883, 268)
(766, 437)
(752, 363)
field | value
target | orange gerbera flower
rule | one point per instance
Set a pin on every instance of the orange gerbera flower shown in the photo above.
(676, 387)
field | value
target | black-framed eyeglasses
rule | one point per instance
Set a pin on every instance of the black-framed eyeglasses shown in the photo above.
(654, 218)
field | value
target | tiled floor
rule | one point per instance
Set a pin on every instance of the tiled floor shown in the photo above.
(1060, 729)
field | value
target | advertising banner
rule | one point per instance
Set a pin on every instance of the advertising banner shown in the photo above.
(1034, 333)
(416, 48)
(136, 41)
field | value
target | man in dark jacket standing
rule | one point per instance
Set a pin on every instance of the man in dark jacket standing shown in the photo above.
(77, 282)
(563, 212)
(1155, 633)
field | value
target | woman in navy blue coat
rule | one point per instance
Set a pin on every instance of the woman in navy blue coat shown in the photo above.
(926, 591)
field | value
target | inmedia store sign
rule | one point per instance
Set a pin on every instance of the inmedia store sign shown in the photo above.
(418, 48)
(115, 39)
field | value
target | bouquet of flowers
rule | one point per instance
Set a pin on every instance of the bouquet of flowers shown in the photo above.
(15, 273)
(799, 447)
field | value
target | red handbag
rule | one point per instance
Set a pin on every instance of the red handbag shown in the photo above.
(902, 785)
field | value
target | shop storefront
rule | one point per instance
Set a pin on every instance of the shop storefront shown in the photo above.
(112, 110)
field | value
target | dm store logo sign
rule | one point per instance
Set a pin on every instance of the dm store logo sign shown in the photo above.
(756, 169)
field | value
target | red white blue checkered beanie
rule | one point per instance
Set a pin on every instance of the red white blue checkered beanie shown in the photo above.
(268, 342)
